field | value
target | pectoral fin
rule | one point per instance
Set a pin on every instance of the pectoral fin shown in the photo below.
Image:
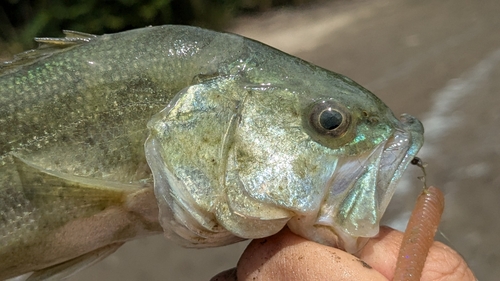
(46, 189)
(68, 268)
(50, 218)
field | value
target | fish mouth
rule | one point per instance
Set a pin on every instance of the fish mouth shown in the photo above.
(362, 186)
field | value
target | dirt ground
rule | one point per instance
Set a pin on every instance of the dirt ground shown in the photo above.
(437, 60)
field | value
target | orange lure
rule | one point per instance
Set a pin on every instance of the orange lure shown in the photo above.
(419, 235)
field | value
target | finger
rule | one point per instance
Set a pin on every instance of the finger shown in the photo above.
(228, 275)
(286, 256)
(443, 263)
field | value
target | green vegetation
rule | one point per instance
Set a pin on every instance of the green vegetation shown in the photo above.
(21, 20)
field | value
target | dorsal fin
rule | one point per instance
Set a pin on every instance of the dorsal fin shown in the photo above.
(72, 38)
(48, 46)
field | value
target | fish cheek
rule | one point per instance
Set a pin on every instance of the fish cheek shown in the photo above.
(244, 157)
(277, 162)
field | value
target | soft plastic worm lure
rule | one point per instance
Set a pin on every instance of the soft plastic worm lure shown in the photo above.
(419, 235)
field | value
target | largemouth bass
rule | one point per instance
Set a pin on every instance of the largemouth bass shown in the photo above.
(236, 139)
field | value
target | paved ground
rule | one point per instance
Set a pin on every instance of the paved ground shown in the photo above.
(439, 61)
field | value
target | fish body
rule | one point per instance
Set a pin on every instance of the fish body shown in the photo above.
(236, 138)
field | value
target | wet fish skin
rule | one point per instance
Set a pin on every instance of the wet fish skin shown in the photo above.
(73, 118)
(50, 116)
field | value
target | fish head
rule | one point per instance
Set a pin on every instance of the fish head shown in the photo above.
(236, 160)
(372, 148)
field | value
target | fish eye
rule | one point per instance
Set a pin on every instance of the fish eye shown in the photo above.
(329, 118)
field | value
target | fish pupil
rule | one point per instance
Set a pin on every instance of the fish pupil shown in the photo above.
(330, 119)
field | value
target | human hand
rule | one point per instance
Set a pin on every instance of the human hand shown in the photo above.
(286, 256)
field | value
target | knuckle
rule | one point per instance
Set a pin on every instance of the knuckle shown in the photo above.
(445, 264)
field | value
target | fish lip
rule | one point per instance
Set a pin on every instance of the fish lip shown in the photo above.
(391, 169)
(353, 209)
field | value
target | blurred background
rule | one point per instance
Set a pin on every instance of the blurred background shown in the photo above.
(437, 60)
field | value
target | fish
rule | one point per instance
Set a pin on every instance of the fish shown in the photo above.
(209, 138)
